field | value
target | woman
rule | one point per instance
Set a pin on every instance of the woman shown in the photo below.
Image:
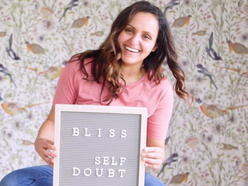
(126, 70)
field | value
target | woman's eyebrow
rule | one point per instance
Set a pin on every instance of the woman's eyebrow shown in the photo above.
(147, 32)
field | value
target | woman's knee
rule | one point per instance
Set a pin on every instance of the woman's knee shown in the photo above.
(27, 176)
(11, 179)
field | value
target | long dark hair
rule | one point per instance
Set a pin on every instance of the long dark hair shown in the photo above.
(106, 59)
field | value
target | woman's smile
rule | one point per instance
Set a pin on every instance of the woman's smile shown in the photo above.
(132, 49)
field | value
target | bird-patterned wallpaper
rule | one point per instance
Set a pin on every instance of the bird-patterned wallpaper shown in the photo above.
(206, 143)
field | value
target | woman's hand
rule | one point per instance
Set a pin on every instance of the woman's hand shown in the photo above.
(46, 150)
(44, 144)
(153, 157)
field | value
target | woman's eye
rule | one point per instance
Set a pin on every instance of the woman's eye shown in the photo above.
(129, 30)
(147, 37)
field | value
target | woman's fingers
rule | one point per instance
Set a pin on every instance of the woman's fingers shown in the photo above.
(46, 150)
(48, 160)
(49, 153)
(48, 156)
(153, 157)
(153, 166)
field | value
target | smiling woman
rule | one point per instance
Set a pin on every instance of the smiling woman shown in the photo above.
(126, 70)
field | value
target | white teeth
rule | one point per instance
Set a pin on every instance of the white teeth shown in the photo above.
(132, 50)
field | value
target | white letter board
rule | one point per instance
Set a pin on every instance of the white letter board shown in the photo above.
(99, 145)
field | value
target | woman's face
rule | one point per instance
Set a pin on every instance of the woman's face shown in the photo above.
(138, 39)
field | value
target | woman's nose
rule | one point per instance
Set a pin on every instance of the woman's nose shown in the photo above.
(135, 39)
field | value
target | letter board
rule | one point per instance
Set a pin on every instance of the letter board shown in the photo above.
(99, 145)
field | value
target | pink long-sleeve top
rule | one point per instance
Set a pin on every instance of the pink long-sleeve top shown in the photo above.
(72, 88)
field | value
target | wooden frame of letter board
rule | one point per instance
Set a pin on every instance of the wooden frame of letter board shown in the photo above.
(59, 108)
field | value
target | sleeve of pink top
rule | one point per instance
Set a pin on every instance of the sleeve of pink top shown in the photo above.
(66, 90)
(158, 123)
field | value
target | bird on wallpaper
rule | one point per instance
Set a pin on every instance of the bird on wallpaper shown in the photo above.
(237, 48)
(244, 167)
(52, 72)
(168, 161)
(170, 5)
(210, 51)
(80, 22)
(10, 51)
(240, 3)
(6, 72)
(243, 73)
(72, 4)
(192, 141)
(167, 140)
(205, 72)
(2, 34)
(181, 21)
(214, 111)
(245, 8)
(179, 179)
(13, 109)
(35, 48)
(198, 100)
(44, 11)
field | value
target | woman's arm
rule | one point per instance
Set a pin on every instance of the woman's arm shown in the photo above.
(44, 143)
(154, 154)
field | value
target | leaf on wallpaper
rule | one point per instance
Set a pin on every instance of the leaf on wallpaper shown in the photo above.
(98, 33)
(80, 22)
(7, 73)
(237, 48)
(181, 22)
(35, 48)
(200, 33)
(229, 147)
(26, 142)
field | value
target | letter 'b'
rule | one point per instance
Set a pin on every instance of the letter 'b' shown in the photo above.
(75, 131)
